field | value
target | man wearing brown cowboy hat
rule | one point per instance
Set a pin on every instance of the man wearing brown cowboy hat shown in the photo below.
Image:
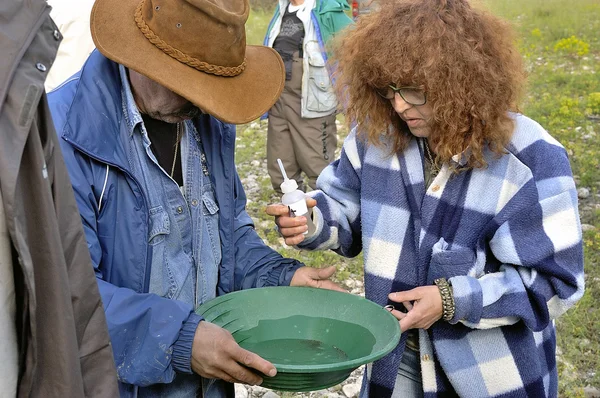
(146, 139)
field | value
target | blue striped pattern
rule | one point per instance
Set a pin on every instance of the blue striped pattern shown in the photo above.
(508, 238)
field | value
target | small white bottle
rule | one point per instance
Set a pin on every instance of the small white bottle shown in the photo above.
(295, 199)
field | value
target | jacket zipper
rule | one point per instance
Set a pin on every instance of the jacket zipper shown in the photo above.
(128, 174)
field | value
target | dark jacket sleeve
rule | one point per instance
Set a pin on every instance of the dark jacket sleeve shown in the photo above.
(64, 343)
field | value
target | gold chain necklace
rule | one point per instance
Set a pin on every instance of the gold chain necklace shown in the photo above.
(176, 150)
(434, 167)
(202, 155)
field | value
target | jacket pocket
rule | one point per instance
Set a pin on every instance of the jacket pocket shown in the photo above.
(320, 96)
(210, 206)
(159, 227)
(210, 210)
(450, 263)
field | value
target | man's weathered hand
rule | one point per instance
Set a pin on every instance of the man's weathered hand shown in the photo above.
(215, 354)
(315, 277)
(291, 228)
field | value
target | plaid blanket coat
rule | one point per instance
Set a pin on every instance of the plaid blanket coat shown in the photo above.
(507, 237)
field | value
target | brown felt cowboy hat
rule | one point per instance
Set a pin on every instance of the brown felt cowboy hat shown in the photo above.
(196, 48)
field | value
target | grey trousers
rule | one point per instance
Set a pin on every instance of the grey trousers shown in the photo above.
(303, 145)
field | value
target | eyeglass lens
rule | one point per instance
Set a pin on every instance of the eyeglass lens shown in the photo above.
(413, 96)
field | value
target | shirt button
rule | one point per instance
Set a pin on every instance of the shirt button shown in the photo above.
(425, 357)
(41, 67)
(179, 209)
(435, 188)
(194, 202)
(56, 34)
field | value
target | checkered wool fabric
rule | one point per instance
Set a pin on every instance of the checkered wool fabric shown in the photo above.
(507, 237)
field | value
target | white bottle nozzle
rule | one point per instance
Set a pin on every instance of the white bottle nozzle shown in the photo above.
(285, 177)
(287, 185)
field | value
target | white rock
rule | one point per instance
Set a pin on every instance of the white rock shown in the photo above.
(587, 227)
(336, 388)
(255, 163)
(282, 243)
(351, 390)
(359, 380)
(270, 394)
(258, 391)
(591, 392)
(583, 193)
(241, 391)
(322, 394)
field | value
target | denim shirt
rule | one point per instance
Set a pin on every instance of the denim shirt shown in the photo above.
(183, 231)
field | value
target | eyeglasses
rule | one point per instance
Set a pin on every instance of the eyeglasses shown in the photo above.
(410, 95)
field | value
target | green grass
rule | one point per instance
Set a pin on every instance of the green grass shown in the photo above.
(257, 25)
(560, 44)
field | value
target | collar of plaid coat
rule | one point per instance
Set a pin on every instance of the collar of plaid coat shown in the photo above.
(507, 237)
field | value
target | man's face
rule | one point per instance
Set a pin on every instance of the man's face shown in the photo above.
(159, 102)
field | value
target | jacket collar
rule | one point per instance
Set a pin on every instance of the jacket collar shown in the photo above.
(130, 110)
(97, 97)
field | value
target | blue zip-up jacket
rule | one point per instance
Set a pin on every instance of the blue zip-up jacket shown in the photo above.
(151, 335)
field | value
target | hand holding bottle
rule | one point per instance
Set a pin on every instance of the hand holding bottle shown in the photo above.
(293, 229)
(293, 216)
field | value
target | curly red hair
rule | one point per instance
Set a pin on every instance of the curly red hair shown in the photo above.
(464, 58)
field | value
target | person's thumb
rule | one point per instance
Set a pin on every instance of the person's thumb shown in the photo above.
(310, 202)
(408, 321)
(326, 273)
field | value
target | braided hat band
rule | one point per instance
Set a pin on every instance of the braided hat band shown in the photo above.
(179, 55)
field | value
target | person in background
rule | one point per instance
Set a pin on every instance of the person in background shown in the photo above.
(73, 20)
(465, 210)
(302, 130)
(146, 131)
(53, 336)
